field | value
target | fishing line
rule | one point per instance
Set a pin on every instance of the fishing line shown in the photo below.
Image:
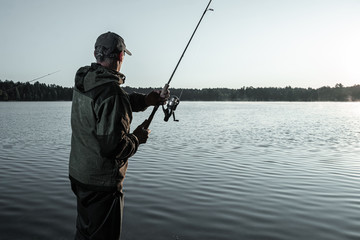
(43, 76)
(34, 79)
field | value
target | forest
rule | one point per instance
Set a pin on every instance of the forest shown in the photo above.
(11, 91)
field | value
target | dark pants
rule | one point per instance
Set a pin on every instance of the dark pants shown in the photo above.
(99, 214)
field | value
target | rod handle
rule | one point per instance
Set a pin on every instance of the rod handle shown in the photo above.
(163, 93)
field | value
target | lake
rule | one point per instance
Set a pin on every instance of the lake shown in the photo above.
(226, 170)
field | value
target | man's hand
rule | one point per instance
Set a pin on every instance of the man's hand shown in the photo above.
(141, 133)
(155, 98)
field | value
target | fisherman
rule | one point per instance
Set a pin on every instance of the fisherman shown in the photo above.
(101, 142)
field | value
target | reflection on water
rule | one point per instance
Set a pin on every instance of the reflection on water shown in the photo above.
(224, 171)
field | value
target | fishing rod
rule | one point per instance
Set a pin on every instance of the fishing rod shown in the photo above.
(166, 87)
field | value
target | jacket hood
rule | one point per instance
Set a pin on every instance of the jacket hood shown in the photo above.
(90, 77)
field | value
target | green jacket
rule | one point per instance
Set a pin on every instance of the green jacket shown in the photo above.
(101, 141)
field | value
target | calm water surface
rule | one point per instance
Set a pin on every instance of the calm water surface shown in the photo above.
(227, 170)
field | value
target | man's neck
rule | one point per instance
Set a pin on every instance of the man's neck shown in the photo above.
(113, 66)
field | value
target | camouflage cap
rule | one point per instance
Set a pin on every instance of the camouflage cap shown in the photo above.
(111, 43)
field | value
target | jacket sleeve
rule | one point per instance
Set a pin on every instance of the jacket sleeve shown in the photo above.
(137, 101)
(112, 129)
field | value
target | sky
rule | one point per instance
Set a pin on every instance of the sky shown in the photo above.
(258, 43)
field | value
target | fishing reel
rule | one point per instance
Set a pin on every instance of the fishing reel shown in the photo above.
(173, 102)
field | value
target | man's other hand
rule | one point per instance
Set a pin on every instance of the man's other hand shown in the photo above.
(142, 133)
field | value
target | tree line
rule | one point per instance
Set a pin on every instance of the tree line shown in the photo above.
(10, 91)
(326, 93)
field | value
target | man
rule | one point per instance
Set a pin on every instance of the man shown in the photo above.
(101, 142)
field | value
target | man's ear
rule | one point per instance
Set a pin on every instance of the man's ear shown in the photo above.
(121, 56)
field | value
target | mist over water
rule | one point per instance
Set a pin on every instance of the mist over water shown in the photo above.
(226, 170)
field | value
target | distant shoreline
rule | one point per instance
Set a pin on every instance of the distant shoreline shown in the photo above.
(10, 91)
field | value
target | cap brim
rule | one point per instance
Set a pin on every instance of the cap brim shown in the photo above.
(128, 52)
